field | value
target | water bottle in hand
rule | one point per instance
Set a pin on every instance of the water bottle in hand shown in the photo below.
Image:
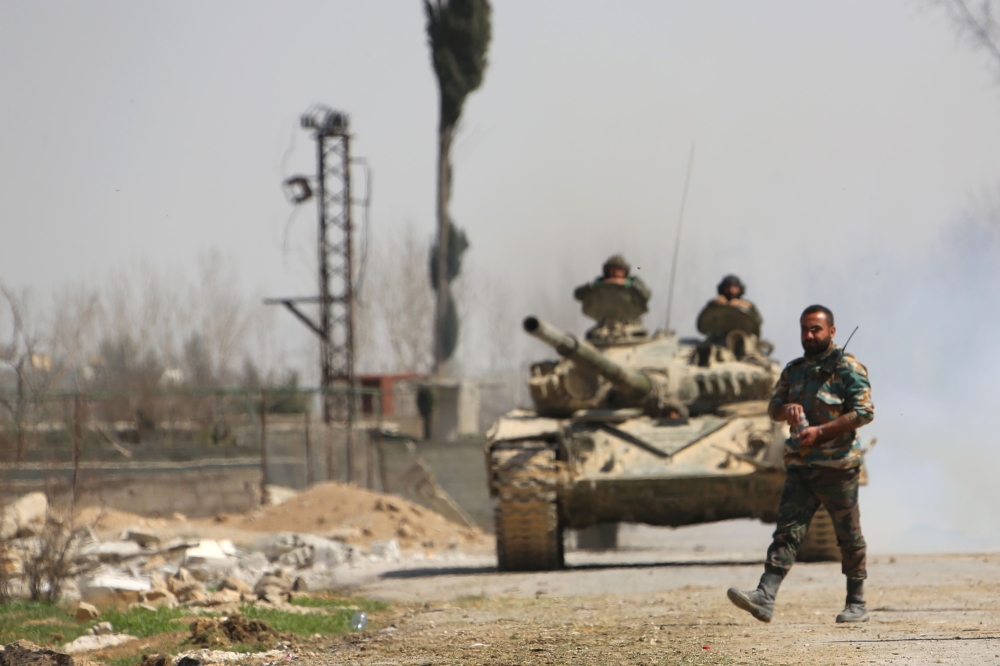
(359, 621)
(799, 426)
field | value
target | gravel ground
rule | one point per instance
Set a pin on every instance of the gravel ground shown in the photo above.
(650, 604)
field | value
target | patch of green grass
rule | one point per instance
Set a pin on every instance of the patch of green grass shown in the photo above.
(51, 624)
(303, 624)
(333, 602)
(300, 623)
(42, 623)
(142, 623)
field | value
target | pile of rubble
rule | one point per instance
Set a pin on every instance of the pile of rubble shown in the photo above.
(139, 567)
(358, 516)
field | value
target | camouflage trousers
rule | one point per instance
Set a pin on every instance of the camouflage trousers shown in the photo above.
(806, 488)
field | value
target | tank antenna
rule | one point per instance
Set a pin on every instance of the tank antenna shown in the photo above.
(677, 240)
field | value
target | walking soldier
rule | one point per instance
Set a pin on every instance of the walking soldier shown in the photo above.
(825, 397)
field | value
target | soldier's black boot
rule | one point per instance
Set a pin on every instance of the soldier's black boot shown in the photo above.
(854, 608)
(759, 602)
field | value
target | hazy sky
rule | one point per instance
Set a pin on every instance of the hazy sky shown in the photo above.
(840, 148)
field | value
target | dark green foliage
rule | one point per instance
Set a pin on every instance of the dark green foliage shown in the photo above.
(459, 35)
(449, 334)
(458, 243)
(251, 375)
(286, 399)
(425, 401)
(198, 362)
(121, 367)
(425, 405)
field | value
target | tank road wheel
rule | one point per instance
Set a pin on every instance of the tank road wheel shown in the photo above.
(529, 534)
(820, 542)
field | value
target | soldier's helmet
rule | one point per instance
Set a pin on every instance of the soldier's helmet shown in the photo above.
(616, 261)
(731, 280)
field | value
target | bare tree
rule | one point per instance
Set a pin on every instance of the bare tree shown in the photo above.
(402, 301)
(978, 22)
(223, 321)
(18, 353)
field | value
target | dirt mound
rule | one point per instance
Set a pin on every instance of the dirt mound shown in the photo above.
(112, 521)
(235, 630)
(358, 516)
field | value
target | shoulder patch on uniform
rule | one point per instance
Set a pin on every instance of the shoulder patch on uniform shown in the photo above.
(848, 359)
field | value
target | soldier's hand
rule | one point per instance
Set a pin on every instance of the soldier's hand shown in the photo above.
(793, 412)
(808, 436)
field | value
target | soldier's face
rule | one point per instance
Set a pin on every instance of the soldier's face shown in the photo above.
(817, 334)
(616, 272)
(732, 291)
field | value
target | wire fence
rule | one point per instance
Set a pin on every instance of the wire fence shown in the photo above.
(69, 441)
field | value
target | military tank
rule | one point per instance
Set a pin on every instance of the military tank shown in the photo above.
(640, 428)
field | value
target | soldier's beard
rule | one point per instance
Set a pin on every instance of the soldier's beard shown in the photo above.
(816, 347)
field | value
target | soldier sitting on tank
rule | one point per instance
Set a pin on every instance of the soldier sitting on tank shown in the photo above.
(616, 301)
(729, 311)
(731, 291)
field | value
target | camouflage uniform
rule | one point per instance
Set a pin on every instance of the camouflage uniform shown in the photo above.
(827, 386)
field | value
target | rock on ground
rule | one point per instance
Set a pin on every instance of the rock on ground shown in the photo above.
(90, 643)
(26, 653)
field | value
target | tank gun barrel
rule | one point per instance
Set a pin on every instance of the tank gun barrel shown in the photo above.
(633, 384)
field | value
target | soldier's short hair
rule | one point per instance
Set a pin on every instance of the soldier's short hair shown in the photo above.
(813, 309)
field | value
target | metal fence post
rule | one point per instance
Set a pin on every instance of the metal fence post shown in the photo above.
(77, 417)
(263, 447)
(310, 477)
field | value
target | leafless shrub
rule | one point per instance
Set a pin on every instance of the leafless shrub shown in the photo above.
(52, 558)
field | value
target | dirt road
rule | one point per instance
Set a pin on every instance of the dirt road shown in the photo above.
(647, 605)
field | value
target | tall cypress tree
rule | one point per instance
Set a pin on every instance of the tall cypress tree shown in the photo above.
(459, 36)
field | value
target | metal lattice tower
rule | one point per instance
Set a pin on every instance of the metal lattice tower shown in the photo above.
(335, 327)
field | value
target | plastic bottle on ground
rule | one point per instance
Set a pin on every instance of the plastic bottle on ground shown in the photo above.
(359, 621)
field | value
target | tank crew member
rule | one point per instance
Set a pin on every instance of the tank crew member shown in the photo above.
(615, 271)
(731, 291)
(827, 392)
(729, 311)
(616, 301)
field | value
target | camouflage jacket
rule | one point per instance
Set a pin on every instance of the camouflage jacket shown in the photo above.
(825, 397)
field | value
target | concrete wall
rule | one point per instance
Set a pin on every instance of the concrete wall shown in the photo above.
(208, 487)
(195, 492)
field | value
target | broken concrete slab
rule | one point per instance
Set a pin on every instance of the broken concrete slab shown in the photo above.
(111, 551)
(104, 582)
(235, 584)
(385, 550)
(86, 612)
(91, 643)
(101, 629)
(279, 494)
(21, 513)
(145, 539)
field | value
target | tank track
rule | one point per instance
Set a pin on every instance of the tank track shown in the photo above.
(528, 530)
(820, 542)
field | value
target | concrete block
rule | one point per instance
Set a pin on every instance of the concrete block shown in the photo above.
(86, 612)
(108, 583)
(91, 643)
(385, 550)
